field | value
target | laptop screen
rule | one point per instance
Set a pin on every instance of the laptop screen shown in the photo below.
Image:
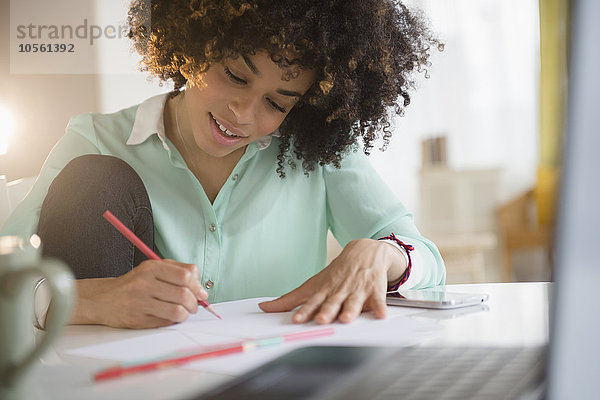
(574, 368)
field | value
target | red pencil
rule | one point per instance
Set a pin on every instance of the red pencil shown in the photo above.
(137, 242)
(215, 351)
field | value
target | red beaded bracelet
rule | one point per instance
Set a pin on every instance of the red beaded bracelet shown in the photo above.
(406, 273)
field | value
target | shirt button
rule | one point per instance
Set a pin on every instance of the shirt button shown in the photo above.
(212, 227)
(234, 177)
(209, 284)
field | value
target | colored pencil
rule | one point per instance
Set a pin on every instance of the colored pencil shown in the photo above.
(211, 352)
(137, 242)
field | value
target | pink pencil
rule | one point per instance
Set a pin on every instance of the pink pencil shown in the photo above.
(211, 352)
(137, 242)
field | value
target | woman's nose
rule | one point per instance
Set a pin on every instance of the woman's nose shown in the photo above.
(244, 109)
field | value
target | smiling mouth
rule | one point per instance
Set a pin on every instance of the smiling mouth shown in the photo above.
(224, 130)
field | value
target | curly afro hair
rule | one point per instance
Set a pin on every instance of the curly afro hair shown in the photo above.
(365, 53)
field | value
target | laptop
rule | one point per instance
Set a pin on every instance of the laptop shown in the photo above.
(568, 368)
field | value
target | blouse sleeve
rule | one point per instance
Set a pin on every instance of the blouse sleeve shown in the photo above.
(361, 205)
(78, 140)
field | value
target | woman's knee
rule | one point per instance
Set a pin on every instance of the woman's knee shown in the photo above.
(96, 169)
(94, 178)
(71, 224)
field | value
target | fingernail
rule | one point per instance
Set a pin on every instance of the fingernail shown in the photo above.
(345, 318)
(298, 317)
(321, 319)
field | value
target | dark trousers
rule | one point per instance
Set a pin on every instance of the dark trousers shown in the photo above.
(71, 224)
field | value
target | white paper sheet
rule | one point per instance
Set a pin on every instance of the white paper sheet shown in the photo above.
(140, 347)
(396, 331)
(243, 320)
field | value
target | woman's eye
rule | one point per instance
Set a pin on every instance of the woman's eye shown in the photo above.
(238, 80)
(277, 106)
(233, 77)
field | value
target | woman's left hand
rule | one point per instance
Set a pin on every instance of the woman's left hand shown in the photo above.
(355, 281)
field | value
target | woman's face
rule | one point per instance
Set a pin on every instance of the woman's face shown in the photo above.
(243, 100)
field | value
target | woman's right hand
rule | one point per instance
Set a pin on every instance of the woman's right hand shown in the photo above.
(153, 294)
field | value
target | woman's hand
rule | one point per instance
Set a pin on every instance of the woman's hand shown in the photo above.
(355, 281)
(153, 294)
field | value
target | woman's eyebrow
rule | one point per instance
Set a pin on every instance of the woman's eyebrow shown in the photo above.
(251, 65)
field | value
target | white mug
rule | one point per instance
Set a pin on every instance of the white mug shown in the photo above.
(20, 267)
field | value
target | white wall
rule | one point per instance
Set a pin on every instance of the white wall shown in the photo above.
(120, 84)
(482, 92)
(40, 102)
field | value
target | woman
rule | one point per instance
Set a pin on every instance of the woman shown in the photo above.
(239, 172)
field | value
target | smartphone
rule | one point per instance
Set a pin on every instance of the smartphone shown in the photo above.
(434, 298)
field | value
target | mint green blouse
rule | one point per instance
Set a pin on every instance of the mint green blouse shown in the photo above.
(264, 235)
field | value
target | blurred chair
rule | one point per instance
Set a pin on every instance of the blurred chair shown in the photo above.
(457, 212)
(520, 230)
(465, 255)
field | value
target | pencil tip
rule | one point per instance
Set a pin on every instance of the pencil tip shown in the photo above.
(213, 312)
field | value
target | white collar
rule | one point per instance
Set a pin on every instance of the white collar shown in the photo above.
(265, 141)
(149, 121)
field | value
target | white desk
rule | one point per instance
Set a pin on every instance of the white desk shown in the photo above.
(516, 314)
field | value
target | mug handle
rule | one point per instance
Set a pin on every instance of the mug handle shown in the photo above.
(60, 278)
